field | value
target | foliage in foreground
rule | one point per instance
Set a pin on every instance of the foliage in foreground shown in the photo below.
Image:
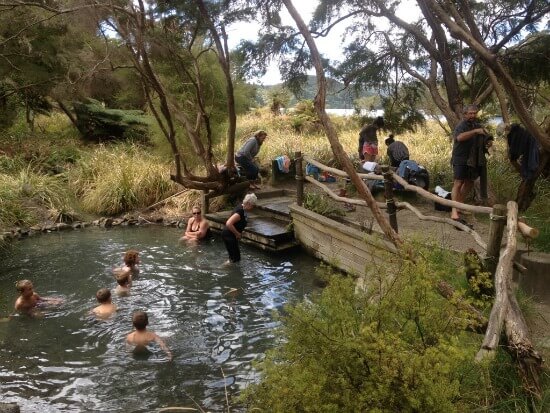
(398, 347)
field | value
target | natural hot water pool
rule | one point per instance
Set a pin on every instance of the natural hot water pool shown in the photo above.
(70, 362)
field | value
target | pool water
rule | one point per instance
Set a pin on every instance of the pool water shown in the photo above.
(68, 361)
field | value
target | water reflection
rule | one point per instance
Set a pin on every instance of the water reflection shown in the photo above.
(212, 318)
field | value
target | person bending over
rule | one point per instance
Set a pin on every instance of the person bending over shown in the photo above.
(368, 141)
(235, 225)
(246, 154)
(397, 151)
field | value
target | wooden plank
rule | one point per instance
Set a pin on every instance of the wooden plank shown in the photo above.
(357, 247)
(350, 235)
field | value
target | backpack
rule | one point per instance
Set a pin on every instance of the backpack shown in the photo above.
(414, 174)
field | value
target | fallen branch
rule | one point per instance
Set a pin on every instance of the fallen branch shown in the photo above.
(479, 321)
(339, 172)
(165, 200)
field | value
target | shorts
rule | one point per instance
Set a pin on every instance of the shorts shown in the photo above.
(465, 173)
(370, 148)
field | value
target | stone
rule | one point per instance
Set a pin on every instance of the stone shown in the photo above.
(61, 226)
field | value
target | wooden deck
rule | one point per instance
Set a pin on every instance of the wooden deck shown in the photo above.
(268, 224)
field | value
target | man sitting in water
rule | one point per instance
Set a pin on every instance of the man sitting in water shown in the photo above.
(141, 338)
(28, 300)
(106, 308)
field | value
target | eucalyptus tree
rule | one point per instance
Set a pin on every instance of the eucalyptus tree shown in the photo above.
(180, 51)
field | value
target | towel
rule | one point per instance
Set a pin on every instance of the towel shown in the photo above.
(283, 162)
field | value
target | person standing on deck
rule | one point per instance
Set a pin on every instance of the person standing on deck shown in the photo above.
(470, 141)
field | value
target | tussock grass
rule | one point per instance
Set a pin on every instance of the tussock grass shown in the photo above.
(115, 179)
(26, 190)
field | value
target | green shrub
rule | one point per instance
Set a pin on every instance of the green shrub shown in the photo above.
(321, 204)
(394, 348)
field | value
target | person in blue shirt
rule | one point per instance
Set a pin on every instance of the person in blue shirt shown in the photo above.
(235, 225)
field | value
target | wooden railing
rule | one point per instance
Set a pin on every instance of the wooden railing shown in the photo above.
(505, 313)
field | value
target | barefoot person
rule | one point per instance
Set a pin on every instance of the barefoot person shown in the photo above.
(246, 154)
(235, 225)
(197, 227)
(141, 338)
(470, 141)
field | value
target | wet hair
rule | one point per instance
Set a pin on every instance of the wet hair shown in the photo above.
(389, 140)
(379, 122)
(103, 295)
(469, 108)
(140, 320)
(22, 285)
(131, 257)
(250, 199)
(122, 277)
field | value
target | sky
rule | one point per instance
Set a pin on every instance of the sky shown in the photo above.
(329, 46)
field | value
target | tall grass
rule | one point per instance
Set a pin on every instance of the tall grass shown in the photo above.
(25, 192)
(120, 178)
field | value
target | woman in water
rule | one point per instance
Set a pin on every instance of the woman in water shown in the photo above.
(197, 227)
(235, 225)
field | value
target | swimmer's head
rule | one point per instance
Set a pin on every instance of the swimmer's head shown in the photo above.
(131, 258)
(140, 320)
(24, 286)
(103, 295)
(122, 277)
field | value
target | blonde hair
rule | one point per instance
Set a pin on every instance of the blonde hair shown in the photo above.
(22, 285)
(250, 199)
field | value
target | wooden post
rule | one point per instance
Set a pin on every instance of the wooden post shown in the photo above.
(496, 230)
(388, 192)
(205, 201)
(299, 178)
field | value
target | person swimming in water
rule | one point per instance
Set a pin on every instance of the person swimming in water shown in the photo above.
(28, 299)
(124, 282)
(106, 308)
(130, 267)
(197, 227)
(141, 338)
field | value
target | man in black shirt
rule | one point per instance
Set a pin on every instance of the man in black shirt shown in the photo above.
(470, 141)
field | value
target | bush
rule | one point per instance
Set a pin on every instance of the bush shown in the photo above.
(393, 348)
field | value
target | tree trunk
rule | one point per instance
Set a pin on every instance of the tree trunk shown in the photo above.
(332, 135)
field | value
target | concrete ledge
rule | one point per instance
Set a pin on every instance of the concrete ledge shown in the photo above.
(536, 280)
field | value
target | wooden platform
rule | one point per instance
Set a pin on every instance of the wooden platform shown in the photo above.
(268, 224)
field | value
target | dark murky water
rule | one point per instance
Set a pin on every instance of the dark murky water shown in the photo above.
(70, 362)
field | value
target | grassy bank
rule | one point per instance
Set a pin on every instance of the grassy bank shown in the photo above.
(51, 169)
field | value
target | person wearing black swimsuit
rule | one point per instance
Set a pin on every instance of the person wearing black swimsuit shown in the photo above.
(197, 227)
(235, 225)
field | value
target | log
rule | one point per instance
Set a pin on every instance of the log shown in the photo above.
(496, 230)
(432, 197)
(528, 360)
(527, 231)
(503, 277)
